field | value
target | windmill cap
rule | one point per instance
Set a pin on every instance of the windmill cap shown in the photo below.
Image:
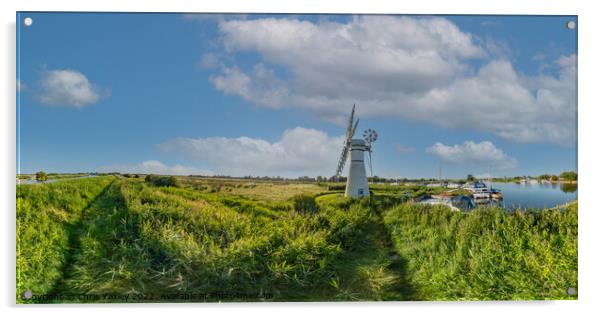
(358, 142)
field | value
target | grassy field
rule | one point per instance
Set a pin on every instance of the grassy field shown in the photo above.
(488, 254)
(257, 190)
(47, 216)
(116, 239)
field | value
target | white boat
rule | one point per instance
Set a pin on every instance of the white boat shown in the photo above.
(480, 193)
(479, 190)
(455, 203)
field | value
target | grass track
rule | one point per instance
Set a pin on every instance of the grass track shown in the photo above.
(106, 249)
(372, 270)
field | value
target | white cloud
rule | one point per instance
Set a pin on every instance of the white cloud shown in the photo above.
(67, 87)
(498, 100)
(155, 167)
(210, 61)
(473, 154)
(262, 86)
(299, 151)
(412, 68)
(334, 59)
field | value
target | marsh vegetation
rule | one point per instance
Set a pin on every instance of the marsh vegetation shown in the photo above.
(266, 241)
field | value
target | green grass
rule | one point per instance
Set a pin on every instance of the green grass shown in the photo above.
(46, 214)
(488, 254)
(137, 238)
(122, 236)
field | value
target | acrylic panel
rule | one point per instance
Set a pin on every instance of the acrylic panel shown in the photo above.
(187, 157)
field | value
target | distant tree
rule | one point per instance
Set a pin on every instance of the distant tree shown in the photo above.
(171, 182)
(150, 178)
(554, 178)
(41, 176)
(470, 178)
(569, 176)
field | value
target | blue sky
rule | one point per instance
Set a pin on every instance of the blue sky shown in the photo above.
(269, 94)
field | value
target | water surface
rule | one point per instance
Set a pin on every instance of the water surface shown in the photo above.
(535, 195)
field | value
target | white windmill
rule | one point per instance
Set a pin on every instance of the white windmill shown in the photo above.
(357, 182)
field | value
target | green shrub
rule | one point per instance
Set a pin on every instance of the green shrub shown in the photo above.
(305, 204)
(41, 176)
(162, 181)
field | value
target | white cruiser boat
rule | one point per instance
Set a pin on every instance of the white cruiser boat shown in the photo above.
(481, 193)
(479, 190)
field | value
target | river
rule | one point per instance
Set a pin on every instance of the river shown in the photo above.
(535, 195)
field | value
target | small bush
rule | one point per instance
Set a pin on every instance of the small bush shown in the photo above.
(305, 204)
(41, 176)
(162, 181)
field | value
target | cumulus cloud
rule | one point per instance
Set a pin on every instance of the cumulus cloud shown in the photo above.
(335, 59)
(473, 154)
(498, 100)
(299, 151)
(261, 86)
(410, 67)
(155, 167)
(66, 87)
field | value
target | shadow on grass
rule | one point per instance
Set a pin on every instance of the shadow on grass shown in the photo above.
(108, 200)
(372, 270)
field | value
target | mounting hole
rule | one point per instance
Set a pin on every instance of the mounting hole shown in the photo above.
(27, 21)
(27, 294)
(571, 291)
(570, 25)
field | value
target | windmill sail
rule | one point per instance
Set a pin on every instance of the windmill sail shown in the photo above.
(347, 145)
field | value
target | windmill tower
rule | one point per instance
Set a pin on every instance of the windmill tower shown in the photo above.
(357, 182)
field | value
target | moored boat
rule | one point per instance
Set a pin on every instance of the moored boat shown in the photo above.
(496, 194)
(479, 190)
